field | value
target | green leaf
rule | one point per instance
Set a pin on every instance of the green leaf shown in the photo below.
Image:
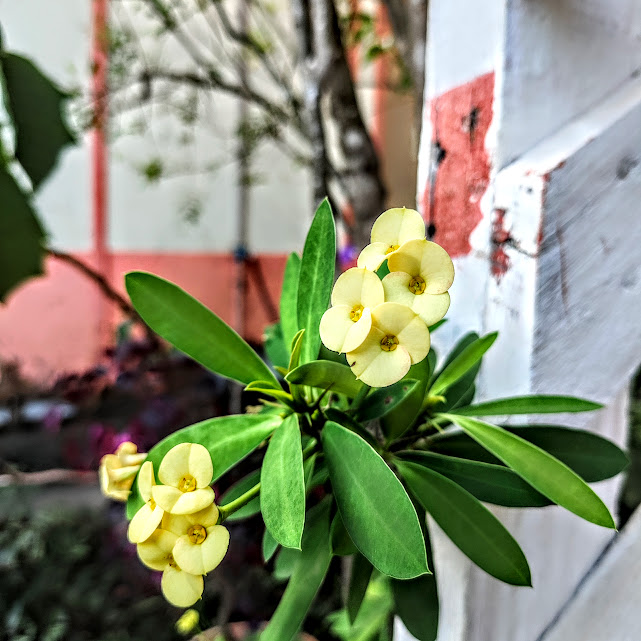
(383, 270)
(229, 439)
(342, 544)
(416, 603)
(194, 329)
(237, 490)
(390, 538)
(495, 484)
(289, 298)
(316, 278)
(282, 485)
(21, 236)
(398, 420)
(36, 107)
(529, 405)
(542, 471)
(270, 545)
(360, 574)
(297, 347)
(306, 579)
(591, 456)
(469, 524)
(385, 399)
(285, 563)
(275, 348)
(326, 375)
(462, 363)
(458, 393)
(263, 387)
(350, 423)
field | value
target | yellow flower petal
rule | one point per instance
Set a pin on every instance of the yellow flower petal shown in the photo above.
(358, 287)
(127, 452)
(186, 458)
(392, 318)
(375, 366)
(202, 557)
(171, 499)
(397, 226)
(156, 551)
(430, 308)
(415, 338)
(181, 588)
(426, 259)
(144, 523)
(334, 326)
(176, 523)
(358, 331)
(146, 480)
(372, 256)
(206, 517)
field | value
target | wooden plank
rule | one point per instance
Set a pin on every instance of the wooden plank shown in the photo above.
(606, 605)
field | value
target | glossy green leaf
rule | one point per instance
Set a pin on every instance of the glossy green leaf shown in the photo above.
(359, 578)
(383, 270)
(289, 299)
(545, 473)
(306, 579)
(529, 405)
(458, 393)
(275, 349)
(285, 563)
(297, 347)
(591, 456)
(282, 485)
(381, 401)
(398, 420)
(416, 603)
(495, 484)
(237, 490)
(462, 364)
(21, 236)
(326, 375)
(262, 387)
(350, 423)
(468, 523)
(229, 439)
(194, 329)
(36, 106)
(270, 545)
(362, 483)
(316, 278)
(438, 324)
(342, 544)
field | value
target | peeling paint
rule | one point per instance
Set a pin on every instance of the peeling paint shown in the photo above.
(499, 259)
(460, 174)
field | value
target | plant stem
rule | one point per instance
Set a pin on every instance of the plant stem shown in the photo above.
(226, 510)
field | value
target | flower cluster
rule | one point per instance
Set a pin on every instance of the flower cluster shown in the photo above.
(176, 531)
(382, 326)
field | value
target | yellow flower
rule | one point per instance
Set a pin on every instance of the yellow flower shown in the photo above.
(186, 472)
(117, 471)
(392, 229)
(346, 324)
(397, 340)
(188, 622)
(421, 274)
(201, 544)
(180, 588)
(148, 517)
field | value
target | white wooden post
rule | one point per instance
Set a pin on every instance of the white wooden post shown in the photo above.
(529, 176)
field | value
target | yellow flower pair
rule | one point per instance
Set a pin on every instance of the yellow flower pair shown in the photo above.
(177, 530)
(382, 326)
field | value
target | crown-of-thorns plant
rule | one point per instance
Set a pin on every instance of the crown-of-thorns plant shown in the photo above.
(359, 411)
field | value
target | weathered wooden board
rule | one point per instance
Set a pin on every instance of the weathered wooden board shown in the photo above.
(606, 606)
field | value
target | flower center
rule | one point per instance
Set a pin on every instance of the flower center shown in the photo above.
(356, 313)
(389, 343)
(391, 248)
(197, 534)
(416, 285)
(187, 483)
